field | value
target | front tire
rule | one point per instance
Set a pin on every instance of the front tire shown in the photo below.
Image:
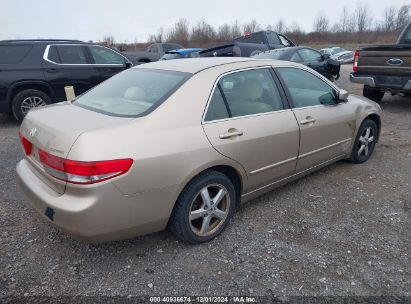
(25, 100)
(364, 142)
(373, 94)
(204, 208)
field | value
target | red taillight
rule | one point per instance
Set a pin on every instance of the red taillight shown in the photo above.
(355, 63)
(79, 172)
(26, 144)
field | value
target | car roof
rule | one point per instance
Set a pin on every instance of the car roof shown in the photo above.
(195, 65)
(25, 41)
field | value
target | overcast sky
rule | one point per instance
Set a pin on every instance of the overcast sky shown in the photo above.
(131, 19)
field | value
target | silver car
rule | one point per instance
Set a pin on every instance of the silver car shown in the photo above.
(339, 54)
(180, 143)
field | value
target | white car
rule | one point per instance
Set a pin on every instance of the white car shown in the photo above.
(339, 54)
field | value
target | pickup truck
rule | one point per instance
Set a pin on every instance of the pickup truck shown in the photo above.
(153, 53)
(249, 45)
(384, 68)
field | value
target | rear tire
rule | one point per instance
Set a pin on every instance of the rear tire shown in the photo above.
(373, 94)
(26, 100)
(204, 208)
(364, 142)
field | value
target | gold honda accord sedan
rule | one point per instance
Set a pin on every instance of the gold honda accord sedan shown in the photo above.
(181, 143)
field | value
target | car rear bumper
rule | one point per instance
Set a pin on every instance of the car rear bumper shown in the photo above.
(97, 214)
(394, 83)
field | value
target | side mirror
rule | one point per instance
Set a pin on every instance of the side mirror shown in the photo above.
(343, 95)
(127, 64)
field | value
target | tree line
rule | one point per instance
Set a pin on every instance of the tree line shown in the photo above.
(355, 25)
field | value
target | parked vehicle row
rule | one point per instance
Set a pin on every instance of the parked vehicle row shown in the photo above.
(134, 162)
(153, 53)
(34, 72)
(249, 45)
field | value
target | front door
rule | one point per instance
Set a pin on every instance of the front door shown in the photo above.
(327, 128)
(248, 121)
(107, 62)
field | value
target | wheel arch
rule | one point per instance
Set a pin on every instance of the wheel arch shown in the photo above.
(29, 85)
(232, 171)
(377, 119)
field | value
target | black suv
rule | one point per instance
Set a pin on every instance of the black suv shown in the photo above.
(34, 72)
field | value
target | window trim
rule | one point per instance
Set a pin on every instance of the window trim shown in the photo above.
(277, 82)
(46, 54)
(287, 92)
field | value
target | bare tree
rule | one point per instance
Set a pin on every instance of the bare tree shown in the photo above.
(251, 26)
(280, 27)
(109, 40)
(159, 37)
(362, 17)
(389, 23)
(224, 33)
(235, 29)
(180, 32)
(345, 20)
(403, 16)
(202, 32)
(321, 23)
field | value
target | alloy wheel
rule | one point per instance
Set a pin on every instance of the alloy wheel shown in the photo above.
(209, 209)
(365, 141)
(31, 102)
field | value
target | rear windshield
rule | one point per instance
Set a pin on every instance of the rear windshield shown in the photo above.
(132, 93)
(13, 53)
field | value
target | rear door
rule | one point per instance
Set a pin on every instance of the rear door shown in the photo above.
(68, 65)
(248, 121)
(327, 128)
(107, 62)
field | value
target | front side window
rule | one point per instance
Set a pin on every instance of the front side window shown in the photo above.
(72, 54)
(306, 89)
(133, 92)
(245, 93)
(102, 55)
(309, 55)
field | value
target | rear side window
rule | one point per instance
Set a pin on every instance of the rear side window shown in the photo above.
(272, 38)
(253, 38)
(245, 93)
(72, 54)
(305, 88)
(216, 109)
(102, 55)
(53, 54)
(10, 54)
(132, 93)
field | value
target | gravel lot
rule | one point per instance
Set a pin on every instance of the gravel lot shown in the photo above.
(343, 231)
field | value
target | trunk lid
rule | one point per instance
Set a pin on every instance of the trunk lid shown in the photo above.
(55, 128)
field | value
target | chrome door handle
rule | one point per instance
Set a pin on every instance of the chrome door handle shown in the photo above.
(231, 134)
(307, 121)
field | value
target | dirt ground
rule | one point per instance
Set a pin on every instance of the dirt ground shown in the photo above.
(342, 231)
